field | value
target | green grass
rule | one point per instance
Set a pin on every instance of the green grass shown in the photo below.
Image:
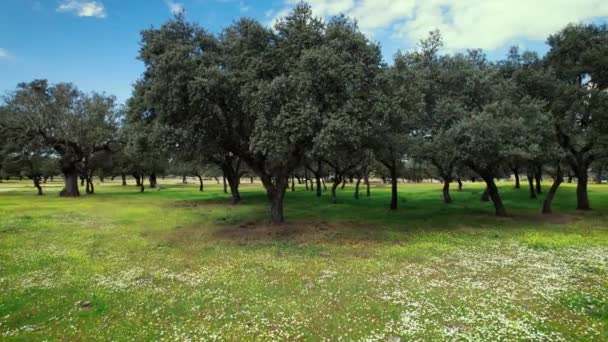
(178, 264)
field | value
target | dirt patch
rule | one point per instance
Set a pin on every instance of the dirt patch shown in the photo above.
(547, 218)
(202, 203)
(303, 232)
(261, 231)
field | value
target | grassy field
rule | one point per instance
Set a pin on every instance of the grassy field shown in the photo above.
(177, 264)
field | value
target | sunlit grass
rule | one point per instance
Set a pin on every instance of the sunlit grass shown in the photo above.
(176, 263)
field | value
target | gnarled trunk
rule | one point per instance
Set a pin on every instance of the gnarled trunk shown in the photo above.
(531, 185)
(334, 186)
(368, 192)
(90, 188)
(493, 193)
(293, 184)
(152, 180)
(538, 176)
(394, 194)
(447, 199)
(233, 184)
(137, 179)
(36, 180)
(231, 177)
(357, 187)
(582, 198)
(459, 184)
(275, 191)
(70, 178)
(200, 181)
(516, 173)
(559, 178)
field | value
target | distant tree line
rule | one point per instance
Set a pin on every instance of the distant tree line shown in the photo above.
(312, 101)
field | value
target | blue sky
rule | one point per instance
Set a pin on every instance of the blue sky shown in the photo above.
(94, 44)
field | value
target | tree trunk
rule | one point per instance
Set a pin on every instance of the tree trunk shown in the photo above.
(124, 179)
(70, 178)
(570, 178)
(531, 185)
(598, 175)
(234, 190)
(101, 178)
(357, 187)
(538, 176)
(251, 180)
(225, 184)
(184, 180)
(90, 188)
(336, 182)
(152, 180)
(343, 184)
(582, 198)
(485, 196)
(293, 184)
(141, 183)
(277, 215)
(276, 194)
(200, 181)
(559, 178)
(459, 184)
(447, 199)
(36, 180)
(516, 173)
(493, 192)
(394, 194)
(368, 192)
(318, 179)
(82, 180)
(137, 179)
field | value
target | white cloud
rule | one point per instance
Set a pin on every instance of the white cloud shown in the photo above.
(3, 53)
(244, 7)
(487, 24)
(83, 8)
(174, 7)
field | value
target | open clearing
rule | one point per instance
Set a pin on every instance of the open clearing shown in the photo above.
(178, 264)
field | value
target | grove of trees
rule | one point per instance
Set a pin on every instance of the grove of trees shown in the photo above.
(312, 100)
